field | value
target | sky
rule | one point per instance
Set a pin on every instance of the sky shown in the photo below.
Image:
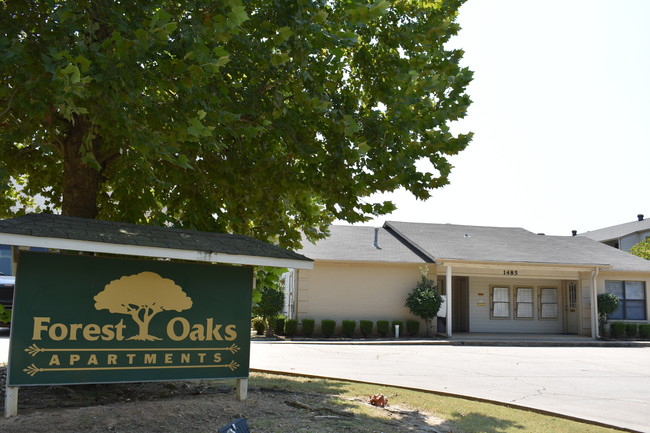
(560, 115)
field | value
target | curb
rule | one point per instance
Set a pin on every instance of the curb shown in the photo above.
(495, 343)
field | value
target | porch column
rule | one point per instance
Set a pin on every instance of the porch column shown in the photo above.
(449, 291)
(594, 304)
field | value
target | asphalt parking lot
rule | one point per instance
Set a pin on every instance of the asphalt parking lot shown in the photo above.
(609, 385)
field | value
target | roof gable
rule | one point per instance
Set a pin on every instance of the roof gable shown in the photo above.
(618, 231)
(362, 244)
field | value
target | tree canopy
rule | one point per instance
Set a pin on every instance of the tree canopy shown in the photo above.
(259, 117)
(642, 249)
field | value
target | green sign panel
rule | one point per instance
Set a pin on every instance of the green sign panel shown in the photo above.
(83, 319)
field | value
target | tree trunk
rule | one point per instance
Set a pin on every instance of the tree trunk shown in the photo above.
(80, 181)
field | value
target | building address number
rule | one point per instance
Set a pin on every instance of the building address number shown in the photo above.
(510, 272)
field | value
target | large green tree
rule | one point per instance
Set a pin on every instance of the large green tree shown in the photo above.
(263, 117)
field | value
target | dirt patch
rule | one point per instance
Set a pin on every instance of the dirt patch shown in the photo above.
(199, 406)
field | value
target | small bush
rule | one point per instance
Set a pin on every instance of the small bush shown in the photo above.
(631, 329)
(644, 330)
(348, 327)
(382, 327)
(413, 327)
(291, 327)
(327, 327)
(365, 326)
(278, 325)
(258, 325)
(308, 327)
(617, 329)
(397, 322)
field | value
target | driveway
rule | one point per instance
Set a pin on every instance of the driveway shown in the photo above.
(609, 385)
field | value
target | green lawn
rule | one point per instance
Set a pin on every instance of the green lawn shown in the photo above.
(456, 415)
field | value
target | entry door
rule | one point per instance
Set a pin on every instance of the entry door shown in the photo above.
(571, 307)
(460, 304)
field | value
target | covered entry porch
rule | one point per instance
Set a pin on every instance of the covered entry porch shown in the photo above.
(517, 298)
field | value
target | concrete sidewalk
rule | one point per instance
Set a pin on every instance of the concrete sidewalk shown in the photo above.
(475, 339)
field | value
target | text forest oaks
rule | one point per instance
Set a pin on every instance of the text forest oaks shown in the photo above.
(82, 319)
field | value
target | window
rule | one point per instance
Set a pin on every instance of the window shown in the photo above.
(631, 297)
(548, 308)
(573, 295)
(5, 259)
(500, 307)
(524, 302)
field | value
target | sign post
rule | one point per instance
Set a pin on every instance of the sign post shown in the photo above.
(82, 319)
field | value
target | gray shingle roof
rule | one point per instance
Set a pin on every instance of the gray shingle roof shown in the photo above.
(356, 243)
(60, 227)
(498, 244)
(618, 231)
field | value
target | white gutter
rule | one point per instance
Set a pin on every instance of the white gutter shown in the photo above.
(145, 251)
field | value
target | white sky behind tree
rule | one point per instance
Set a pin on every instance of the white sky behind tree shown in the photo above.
(561, 117)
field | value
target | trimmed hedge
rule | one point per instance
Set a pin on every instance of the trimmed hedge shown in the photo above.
(617, 329)
(258, 325)
(382, 327)
(413, 327)
(308, 327)
(365, 326)
(278, 325)
(631, 329)
(291, 327)
(644, 330)
(327, 327)
(348, 327)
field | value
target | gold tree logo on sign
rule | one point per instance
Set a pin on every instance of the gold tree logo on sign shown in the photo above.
(142, 296)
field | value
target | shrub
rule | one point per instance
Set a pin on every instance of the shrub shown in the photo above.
(365, 326)
(631, 330)
(258, 325)
(617, 329)
(269, 306)
(397, 322)
(278, 325)
(5, 315)
(382, 327)
(424, 301)
(348, 327)
(644, 330)
(412, 327)
(308, 327)
(327, 327)
(291, 327)
(607, 304)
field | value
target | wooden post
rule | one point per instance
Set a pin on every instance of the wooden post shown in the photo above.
(242, 389)
(11, 401)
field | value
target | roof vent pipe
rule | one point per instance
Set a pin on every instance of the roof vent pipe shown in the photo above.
(640, 217)
(376, 243)
(574, 232)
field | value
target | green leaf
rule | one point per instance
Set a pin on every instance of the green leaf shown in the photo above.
(279, 59)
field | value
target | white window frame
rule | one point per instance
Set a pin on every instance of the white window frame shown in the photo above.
(508, 303)
(542, 304)
(518, 302)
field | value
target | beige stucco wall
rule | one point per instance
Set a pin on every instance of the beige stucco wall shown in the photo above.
(359, 291)
(377, 291)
